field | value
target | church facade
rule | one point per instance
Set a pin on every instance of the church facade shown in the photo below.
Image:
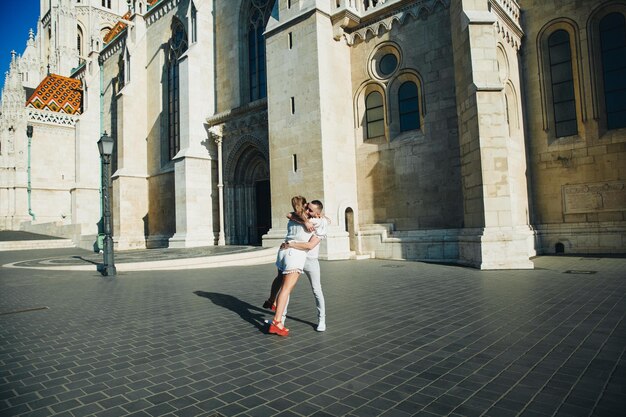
(475, 132)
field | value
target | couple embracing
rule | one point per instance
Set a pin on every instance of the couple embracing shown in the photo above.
(299, 253)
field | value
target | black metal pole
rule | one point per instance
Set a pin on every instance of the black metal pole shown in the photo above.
(109, 262)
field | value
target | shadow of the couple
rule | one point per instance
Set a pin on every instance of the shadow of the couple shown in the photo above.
(252, 314)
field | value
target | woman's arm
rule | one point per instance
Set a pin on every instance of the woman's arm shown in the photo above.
(307, 246)
(306, 223)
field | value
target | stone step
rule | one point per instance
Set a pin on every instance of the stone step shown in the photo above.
(36, 244)
(263, 256)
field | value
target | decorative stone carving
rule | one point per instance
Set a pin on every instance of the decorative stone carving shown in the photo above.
(507, 21)
(356, 20)
(160, 10)
(111, 48)
(52, 117)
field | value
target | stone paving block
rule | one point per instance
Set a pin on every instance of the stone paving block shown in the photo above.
(231, 410)
(86, 410)
(229, 397)
(190, 411)
(42, 412)
(159, 410)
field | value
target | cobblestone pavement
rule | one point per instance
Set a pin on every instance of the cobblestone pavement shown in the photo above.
(403, 338)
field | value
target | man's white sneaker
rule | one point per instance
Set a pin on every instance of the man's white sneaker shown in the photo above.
(321, 326)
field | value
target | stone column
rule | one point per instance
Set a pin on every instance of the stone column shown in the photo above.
(221, 240)
(493, 238)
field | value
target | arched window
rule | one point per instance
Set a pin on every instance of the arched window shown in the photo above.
(79, 41)
(408, 105)
(177, 46)
(103, 32)
(194, 23)
(121, 72)
(256, 58)
(374, 115)
(613, 50)
(124, 68)
(258, 15)
(562, 80)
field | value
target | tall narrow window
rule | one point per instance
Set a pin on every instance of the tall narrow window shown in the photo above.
(408, 105)
(613, 47)
(258, 16)
(121, 72)
(374, 115)
(256, 57)
(562, 79)
(177, 46)
(79, 42)
(127, 67)
(194, 23)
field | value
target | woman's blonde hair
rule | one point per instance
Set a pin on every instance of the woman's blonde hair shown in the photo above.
(298, 203)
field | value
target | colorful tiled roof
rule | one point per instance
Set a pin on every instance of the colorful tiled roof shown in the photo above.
(117, 29)
(57, 93)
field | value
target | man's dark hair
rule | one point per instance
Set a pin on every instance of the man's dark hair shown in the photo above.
(318, 204)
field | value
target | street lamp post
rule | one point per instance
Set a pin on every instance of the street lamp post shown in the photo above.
(105, 146)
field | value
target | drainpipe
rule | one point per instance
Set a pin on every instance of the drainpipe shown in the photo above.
(29, 133)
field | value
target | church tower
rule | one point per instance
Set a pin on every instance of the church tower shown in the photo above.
(70, 30)
(58, 28)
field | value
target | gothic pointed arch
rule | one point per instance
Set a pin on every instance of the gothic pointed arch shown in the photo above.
(246, 180)
(243, 146)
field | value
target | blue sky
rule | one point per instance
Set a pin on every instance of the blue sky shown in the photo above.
(17, 18)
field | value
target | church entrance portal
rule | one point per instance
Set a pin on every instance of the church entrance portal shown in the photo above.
(248, 200)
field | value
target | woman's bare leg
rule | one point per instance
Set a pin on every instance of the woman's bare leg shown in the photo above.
(289, 281)
(276, 284)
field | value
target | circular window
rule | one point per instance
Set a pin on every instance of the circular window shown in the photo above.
(384, 61)
(388, 64)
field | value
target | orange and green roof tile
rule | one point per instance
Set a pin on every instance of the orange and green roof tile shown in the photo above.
(58, 94)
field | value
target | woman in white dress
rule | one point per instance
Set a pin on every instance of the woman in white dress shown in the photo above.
(290, 261)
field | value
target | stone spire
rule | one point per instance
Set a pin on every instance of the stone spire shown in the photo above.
(31, 37)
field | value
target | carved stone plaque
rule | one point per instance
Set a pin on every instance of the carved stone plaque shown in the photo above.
(594, 197)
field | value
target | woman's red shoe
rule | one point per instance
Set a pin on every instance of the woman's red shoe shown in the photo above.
(274, 329)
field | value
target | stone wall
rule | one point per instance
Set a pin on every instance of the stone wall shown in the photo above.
(578, 181)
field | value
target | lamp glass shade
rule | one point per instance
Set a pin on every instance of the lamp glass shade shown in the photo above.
(105, 145)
